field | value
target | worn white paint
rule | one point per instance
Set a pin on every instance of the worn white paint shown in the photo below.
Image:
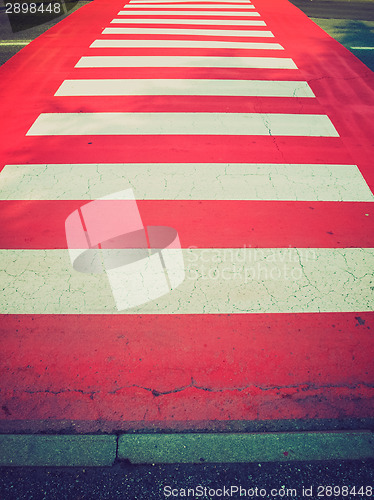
(106, 87)
(279, 124)
(239, 2)
(226, 281)
(185, 181)
(161, 12)
(193, 44)
(215, 22)
(195, 5)
(185, 62)
(193, 31)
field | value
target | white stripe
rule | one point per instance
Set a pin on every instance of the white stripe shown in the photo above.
(216, 22)
(235, 4)
(193, 6)
(186, 181)
(268, 88)
(296, 125)
(207, 44)
(184, 62)
(181, 31)
(246, 2)
(226, 281)
(186, 12)
(14, 43)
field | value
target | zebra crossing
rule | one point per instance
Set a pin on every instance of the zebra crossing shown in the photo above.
(223, 131)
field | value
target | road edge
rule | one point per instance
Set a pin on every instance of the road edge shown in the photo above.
(90, 450)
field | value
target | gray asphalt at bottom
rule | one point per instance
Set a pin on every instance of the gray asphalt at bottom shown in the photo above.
(209, 481)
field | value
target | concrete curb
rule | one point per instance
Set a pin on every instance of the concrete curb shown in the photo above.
(37, 450)
(58, 450)
(267, 447)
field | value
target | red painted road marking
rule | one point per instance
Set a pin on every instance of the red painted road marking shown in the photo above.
(134, 370)
(181, 369)
(227, 224)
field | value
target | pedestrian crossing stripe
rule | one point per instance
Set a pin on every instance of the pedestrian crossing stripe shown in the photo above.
(180, 31)
(186, 21)
(153, 12)
(133, 86)
(189, 3)
(184, 62)
(218, 281)
(195, 44)
(194, 6)
(273, 124)
(186, 181)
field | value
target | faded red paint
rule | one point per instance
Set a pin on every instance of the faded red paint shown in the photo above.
(223, 224)
(126, 368)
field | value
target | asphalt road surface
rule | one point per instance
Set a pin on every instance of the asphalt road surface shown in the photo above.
(350, 23)
(11, 43)
(267, 480)
(336, 9)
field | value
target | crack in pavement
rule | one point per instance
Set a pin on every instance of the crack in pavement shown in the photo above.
(302, 387)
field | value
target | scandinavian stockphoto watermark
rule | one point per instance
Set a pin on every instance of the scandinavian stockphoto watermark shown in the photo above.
(248, 264)
(108, 236)
(144, 263)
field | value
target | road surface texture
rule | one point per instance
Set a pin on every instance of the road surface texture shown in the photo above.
(156, 482)
(187, 235)
(351, 23)
(255, 149)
